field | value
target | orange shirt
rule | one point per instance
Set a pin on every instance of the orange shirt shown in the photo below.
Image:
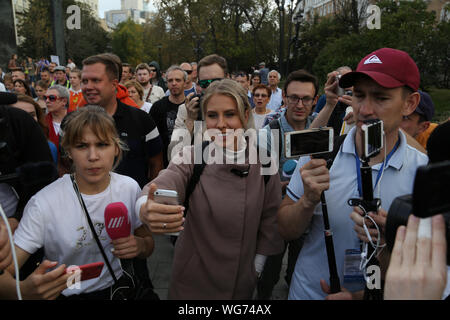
(423, 137)
(75, 98)
(122, 95)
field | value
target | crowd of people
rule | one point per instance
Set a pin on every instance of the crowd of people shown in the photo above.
(119, 133)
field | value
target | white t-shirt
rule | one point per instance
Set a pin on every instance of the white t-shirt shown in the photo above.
(259, 119)
(146, 107)
(53, 219)
(57, 127)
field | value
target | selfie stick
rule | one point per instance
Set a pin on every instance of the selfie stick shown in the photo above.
(335, 285)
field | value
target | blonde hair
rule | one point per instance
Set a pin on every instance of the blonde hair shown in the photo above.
(96, 119)
(235, 91)
(137, 86)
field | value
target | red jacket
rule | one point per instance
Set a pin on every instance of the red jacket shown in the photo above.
(52, 135)
(122, 95)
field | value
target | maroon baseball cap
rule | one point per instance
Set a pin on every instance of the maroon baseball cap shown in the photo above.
(390, 68)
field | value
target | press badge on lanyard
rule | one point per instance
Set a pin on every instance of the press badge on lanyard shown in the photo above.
(352, 262)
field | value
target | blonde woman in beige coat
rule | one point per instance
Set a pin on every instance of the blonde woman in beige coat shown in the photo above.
(231, 225)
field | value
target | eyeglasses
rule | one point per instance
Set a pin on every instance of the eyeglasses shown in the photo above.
(52, 98)
(188, 71)
(257, 95)
(293, 100)
(205, 83)
(152, 70)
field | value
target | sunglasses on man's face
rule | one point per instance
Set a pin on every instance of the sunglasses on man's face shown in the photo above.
(52, 98)
(205, 83)
(188, 71)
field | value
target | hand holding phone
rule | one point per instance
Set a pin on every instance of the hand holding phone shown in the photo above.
(193, 107)
(88, 271)
(339, 90)
(170, 197)
(162, 213)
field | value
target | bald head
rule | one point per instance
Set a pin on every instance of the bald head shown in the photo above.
(186, 66)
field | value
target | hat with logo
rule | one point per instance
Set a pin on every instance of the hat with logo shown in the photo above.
(426, 106)
(390, 68)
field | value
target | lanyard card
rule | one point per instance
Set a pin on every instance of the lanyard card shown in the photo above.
(352, 261)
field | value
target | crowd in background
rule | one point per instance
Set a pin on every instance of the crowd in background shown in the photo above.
(120, 132)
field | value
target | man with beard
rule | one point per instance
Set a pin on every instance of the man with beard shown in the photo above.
(152, 93)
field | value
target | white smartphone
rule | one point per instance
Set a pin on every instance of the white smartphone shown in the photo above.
(373, 137)
(308, 142)
(164, 196)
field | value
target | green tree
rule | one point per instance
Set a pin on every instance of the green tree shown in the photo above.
(406, 25)
(128, 42)
(242, 31)
(36, 30)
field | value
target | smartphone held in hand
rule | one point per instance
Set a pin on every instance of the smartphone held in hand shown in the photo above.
(170, 197)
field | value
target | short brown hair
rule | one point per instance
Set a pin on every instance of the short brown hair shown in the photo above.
(212, 59)
(302, 76)
(111, 62)
(262, 86)
(95, 118)
(43, 84)
(77, 71)
(136, 85)
(143, 66)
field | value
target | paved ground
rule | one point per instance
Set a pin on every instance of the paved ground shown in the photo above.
(160, 264)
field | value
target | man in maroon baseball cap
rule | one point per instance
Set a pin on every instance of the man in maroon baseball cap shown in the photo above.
(390, 68)
(385, 86)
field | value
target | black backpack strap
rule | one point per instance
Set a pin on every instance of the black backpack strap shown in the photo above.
(275, 125)
(195, 178)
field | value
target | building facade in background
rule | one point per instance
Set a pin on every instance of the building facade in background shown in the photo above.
(324, 8)
(136, 10)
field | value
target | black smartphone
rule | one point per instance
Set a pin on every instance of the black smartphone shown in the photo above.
(373, 137)
(308, 142)
(431, 193)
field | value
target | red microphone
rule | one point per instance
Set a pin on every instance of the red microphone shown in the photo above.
(117, 224)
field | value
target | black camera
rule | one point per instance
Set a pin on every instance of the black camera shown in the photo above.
(430, 197)
(200, 97)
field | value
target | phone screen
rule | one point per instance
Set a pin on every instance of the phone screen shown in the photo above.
(374, 138)
(304, 143)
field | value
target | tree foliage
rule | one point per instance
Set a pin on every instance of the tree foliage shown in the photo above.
(36, 30)
(128, 42)
(245, 31)
(405, 25)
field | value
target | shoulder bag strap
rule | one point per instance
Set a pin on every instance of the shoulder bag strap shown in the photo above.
(149, 93)
(91, 225)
